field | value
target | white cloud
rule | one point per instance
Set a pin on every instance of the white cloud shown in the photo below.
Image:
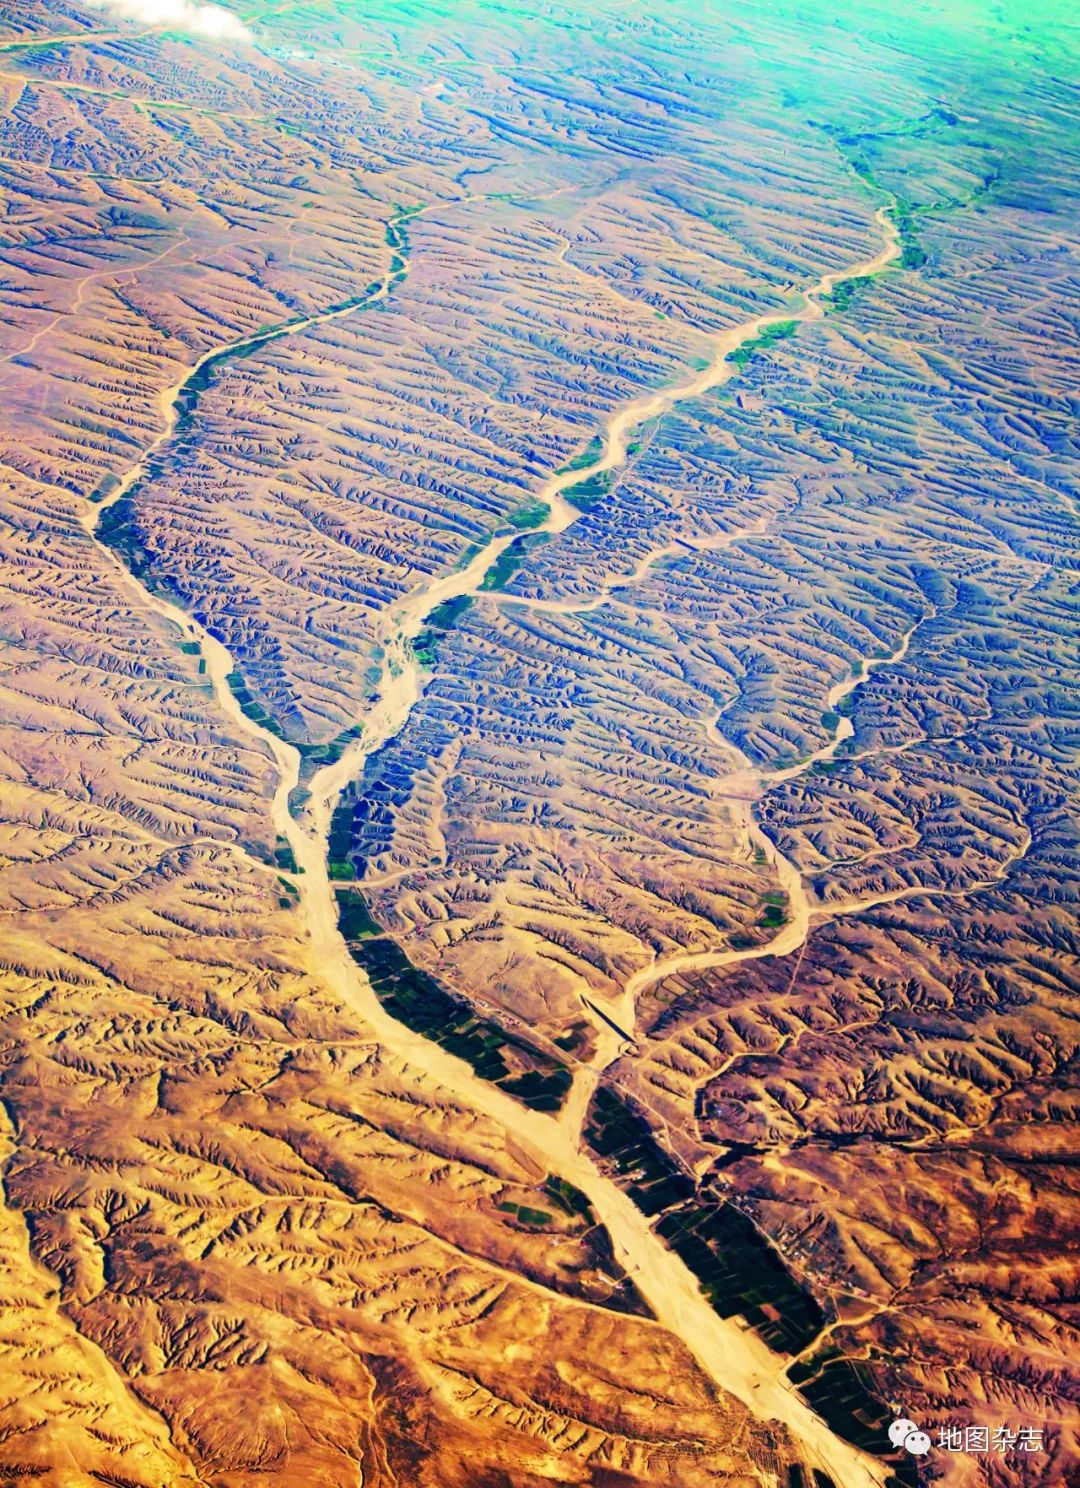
(196, 18)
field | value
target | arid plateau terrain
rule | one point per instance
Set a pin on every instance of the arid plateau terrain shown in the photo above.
(539, 744)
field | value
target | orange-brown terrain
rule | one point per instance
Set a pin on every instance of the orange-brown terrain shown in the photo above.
(539, 755)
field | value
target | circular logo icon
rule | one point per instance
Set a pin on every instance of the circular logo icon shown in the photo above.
(917, 1443)
(899, 1431)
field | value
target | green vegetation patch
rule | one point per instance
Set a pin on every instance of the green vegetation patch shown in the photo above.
(573, 1038)
(840, 1393)
(354, 919)
(105, 487)
(741, 1274)
(854, 149)
(511, 559)
(259, 851)
(339, 841)
(443, 618)
(532, 514)
(584, 457)
(535, 1217)
(316, 755)
(397, 240)
(570, 1199)
(423, 1004)
(250, 705)
(846, 292)
(119, 529)
(780, 330)
(739, 1271)
(590, 492)
(775, 912)
(543, 1091)
(618, 1133)
(911, 253)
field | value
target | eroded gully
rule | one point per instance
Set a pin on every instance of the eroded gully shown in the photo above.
(732, 1356)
